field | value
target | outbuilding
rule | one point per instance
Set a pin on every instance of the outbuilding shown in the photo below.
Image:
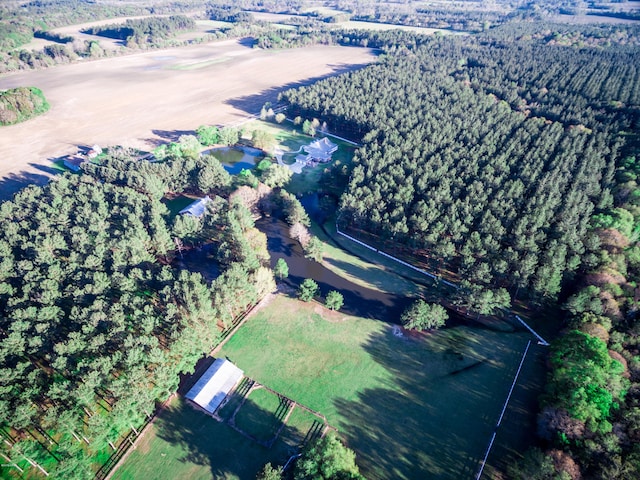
(215, 384)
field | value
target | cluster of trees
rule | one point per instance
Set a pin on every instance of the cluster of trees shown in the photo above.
(20, 104)
(96, 325)
(458, 160)
(228, 13)
(591, 406)
(325, 458)
(144, 31)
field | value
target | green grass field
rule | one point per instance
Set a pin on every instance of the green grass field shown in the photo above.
(185, 443)
(419, 407)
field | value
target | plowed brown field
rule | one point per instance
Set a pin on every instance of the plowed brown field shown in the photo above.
(142, 99)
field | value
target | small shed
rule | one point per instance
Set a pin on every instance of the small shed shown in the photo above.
(214, 385)
(73, 163)
(197, 208)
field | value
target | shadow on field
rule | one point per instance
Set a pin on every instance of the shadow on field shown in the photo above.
(358, 300)
(437, 417)
(195, 438)
(14, 182)
(171, 135)
(253, 103)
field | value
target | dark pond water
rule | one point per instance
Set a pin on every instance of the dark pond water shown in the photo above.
(236, 159)
(358, 300)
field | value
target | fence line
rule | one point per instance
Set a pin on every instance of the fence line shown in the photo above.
(541, 340)
(504, 409)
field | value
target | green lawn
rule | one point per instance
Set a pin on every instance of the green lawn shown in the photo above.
(420, 407)
(187, 444)
(261, 414)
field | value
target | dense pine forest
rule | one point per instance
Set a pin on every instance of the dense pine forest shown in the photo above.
(146, 30)
(96, 324)
(507, 159)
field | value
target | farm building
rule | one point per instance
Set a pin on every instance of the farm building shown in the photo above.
(197, 208)
(214, 385)
(73, 163)
(319, 150)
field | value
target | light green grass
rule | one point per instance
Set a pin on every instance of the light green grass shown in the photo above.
(199, 65)
(187, 444)
(420, 407)
(258, 415)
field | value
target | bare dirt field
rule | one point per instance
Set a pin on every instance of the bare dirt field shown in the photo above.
(144, 99)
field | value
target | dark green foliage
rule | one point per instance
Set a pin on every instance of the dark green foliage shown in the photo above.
(145, 30)
(20, 104)
(327, 459)
(308, 289)
(483, 152)
(95, 327)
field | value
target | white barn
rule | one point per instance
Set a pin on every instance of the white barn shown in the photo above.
(214, 385)
(197, 208)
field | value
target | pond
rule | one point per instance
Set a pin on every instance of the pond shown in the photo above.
(358, 300)
(236, 159)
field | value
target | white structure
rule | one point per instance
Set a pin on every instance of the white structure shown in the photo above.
(197, 208)
(214, 385)
(320, 150)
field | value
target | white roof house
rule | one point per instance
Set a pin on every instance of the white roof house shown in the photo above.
(214, 385)
(197, 208)
(321, 150)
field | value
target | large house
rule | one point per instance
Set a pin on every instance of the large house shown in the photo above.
(318, 150)
(197, 208)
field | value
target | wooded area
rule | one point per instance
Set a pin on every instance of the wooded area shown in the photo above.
(511, 163)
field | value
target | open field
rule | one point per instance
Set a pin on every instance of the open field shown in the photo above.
(186, 443)
(174, 92)
(422, 406)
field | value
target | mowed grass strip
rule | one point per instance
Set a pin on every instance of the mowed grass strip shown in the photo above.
(418, 406)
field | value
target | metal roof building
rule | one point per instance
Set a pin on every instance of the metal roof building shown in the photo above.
(214, 385)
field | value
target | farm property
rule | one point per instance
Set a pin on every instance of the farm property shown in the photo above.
(175, 91)
(409, 406)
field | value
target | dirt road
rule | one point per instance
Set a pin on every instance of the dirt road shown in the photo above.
(143, 99)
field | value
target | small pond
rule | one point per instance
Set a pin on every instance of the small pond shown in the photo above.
(235, 159)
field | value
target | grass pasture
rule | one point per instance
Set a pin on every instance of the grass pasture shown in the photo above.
(411, 407)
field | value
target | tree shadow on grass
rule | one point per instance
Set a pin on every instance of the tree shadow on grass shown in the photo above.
(172, 135)
(196, 438)
(437, 417)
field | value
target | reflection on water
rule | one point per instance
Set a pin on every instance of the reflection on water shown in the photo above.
(358, 300)
(236, 159)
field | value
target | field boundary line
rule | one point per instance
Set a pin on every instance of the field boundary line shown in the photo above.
(504, 409)
(541, 340)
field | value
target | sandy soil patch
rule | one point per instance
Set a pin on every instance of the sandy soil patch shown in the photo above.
(143, 99)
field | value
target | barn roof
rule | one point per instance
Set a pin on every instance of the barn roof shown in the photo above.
(196, 208)
(214, 385)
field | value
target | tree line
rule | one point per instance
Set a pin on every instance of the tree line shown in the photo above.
(144, 31)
